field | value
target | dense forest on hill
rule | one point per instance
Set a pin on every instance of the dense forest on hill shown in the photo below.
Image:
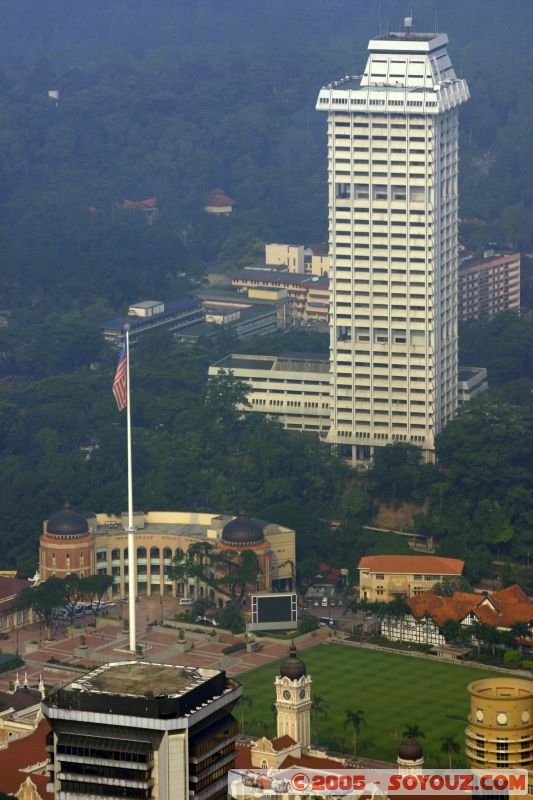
(169, 99)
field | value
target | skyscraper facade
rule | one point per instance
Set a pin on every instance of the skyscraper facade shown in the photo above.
(393, 219)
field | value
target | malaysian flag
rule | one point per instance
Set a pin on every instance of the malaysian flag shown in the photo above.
(120, 384)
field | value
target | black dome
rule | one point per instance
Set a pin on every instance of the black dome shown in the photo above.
(410, 750)
(242, 532)
(292, 667)
(67, 524)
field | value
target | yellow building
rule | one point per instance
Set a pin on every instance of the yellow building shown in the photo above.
(385, 578)
(499, 734)
(159, 536)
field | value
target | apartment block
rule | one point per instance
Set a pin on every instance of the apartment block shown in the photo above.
(489, 286)
(295, 284)
(393, 244)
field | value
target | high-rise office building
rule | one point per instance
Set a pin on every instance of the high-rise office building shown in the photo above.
(393, 217)
(142, 730)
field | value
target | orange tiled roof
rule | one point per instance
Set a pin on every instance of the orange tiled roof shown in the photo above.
(22, 754)
(431, 565)
(501, 609)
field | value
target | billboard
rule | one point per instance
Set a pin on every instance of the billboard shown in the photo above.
(276, 611)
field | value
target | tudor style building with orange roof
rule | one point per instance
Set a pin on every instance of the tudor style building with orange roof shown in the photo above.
(429, 613)
(385, 578)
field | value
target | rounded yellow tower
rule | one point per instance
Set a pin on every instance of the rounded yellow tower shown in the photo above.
(499, 734)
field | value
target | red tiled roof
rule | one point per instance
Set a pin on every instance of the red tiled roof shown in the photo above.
(151, 202)
(22, 754)
(244, 757)
(329, 573)
(432, 565)
(218, 197)
(22, 698)
(282, 743)
(11, 586)
(313, 762)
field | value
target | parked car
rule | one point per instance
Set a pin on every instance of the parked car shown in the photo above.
(206, 621)
(324, 602)
(327, 621)
(316, 603)
(185, 601)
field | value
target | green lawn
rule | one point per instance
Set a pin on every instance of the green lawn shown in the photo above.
(392, 690)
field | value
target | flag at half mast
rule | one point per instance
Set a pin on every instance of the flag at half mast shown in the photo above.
(120, 384)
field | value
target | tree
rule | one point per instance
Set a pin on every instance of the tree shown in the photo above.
(355, 504)
(232, 619)
(450, 584)
(395, 469)
(248, 701)
(242, 570)
(355, 719)
(73, 593)
(94, 588)
(413, 732)
(451, 630)
(318, 707)
(179, 571)
(450, 747)
(43, 599)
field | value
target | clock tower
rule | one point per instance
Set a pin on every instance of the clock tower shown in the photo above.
(293, 699)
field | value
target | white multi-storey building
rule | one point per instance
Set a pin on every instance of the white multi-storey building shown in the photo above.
(393, 216)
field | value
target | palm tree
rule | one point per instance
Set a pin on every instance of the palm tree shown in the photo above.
(519, 630)
(353, 607)
(413, 732)
(318, 706)
(355, 719)
(450, 746)
(247, 701)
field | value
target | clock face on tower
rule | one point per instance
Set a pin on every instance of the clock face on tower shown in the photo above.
(286, 695)
(302, 694)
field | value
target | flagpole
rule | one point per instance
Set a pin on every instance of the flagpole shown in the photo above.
(132, 571)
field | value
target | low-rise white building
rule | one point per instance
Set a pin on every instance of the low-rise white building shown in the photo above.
(471, 382)
(293, 389)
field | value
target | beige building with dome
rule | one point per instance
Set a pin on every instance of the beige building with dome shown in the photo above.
(499, 734)
(85, 544)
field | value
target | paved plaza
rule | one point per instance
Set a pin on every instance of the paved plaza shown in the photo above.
(109, 642)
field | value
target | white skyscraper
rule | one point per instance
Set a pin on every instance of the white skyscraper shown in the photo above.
(393, 216)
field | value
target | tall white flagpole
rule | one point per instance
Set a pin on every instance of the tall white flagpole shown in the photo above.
(132, 564)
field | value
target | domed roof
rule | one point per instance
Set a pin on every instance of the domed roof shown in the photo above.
(410, 750)
(292, 666)
(242, 531)
(67, 524)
